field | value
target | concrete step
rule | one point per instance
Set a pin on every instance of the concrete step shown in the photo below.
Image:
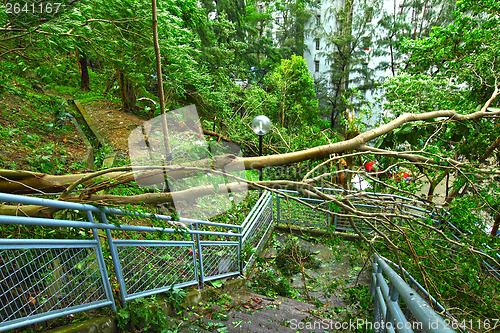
(250, 312)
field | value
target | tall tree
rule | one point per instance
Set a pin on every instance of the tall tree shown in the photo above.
(409, 19)
(119, 33)
(456, 66)
(258, 23)
(295, 92)
(292, 17)
(349, 35)
(233, 12)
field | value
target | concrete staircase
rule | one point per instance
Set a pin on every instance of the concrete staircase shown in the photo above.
(246, 311)
(239, 309)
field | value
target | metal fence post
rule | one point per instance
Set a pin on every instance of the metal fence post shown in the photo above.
(240, 249)
(116, 261)
(102, 264)
(195, 261)
(383, 309)
(272, 207)
(378, 313)
(200, 258)
(278, 211)
(394, 297)
(374, 277)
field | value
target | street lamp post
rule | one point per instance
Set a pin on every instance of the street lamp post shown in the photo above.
(261, 126)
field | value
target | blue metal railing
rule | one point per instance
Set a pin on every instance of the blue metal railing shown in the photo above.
(43, 279)
(256, 227)
(293, 212)
(387, 289)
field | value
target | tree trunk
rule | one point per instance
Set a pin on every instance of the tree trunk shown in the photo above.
(346, 182)
(161, 94)
(24, 182)
(434, 183)
(127, 93)
(392, 56)
(494, 230)
(85, 79)
(334, 113)
(490, 149)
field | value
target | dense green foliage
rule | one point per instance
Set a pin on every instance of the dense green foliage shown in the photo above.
(295, 92)
(145, 314)
(411, 20)
(455, 275)
(454, 68)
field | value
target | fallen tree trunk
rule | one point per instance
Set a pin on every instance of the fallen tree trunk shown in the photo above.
(25, 182)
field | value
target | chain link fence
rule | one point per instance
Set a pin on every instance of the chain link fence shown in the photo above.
(152, 267)
(256, 229)
(219, 259)
(44, 279)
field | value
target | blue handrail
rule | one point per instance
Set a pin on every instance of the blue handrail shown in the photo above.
(56, 270)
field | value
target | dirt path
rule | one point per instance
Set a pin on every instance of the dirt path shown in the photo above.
(114, 124)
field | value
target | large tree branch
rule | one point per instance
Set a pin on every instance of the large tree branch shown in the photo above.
(26, 181)
(23, 182)
(361, 139)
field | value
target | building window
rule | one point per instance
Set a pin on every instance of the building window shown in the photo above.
(316, 66)
(318, 19)
(277, 20)
(316, 41)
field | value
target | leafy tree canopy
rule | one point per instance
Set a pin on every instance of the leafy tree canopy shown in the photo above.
(294, 87)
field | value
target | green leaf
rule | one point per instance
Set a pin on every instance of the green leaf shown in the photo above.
(216, 284)
(406, 129)
(379, 142)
